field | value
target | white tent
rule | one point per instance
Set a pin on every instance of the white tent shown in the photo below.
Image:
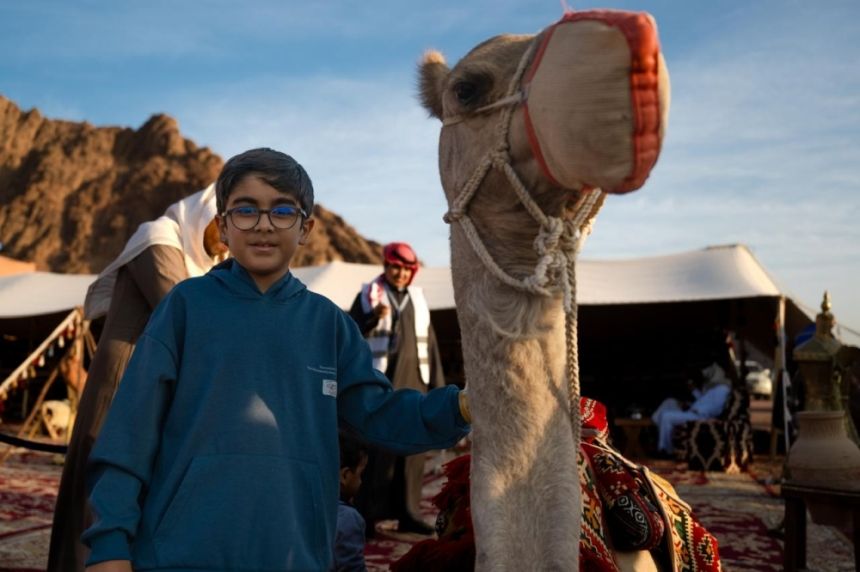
(647, 318)
(630, 307)
(38, 310)
(714, 273)
(341, 281)
(39, 293)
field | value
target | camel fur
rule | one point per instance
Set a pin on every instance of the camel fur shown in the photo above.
(524, 475)
(525, 484)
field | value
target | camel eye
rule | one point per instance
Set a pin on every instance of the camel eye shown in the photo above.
(466, 92)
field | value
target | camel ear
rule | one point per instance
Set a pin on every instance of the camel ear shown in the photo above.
(432, 71)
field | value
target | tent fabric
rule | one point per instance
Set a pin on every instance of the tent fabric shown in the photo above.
(341, 281)
(37, 293)
(713, 273)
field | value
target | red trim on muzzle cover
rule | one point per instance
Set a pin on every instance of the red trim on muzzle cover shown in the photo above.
(641, 34)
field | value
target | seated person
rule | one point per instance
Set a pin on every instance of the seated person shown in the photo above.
(349, 536)
(709, 404)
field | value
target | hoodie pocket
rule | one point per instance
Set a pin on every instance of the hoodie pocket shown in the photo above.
(243, 512)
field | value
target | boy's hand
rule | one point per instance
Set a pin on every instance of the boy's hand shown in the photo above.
(381, 310)
(463, 401)
(111, 566)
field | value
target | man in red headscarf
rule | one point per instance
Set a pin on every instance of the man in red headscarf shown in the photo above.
(394, 318)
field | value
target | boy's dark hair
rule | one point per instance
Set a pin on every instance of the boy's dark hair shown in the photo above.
(352, 450)
(277, 169)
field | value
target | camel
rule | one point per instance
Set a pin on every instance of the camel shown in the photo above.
(518, 216)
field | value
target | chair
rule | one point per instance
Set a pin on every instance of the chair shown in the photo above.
(722, 444)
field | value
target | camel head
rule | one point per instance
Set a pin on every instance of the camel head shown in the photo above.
(580, 106)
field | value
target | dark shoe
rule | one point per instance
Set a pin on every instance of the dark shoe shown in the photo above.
(410, 524)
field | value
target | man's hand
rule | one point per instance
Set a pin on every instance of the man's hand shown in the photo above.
(381, 311)
(111, 566)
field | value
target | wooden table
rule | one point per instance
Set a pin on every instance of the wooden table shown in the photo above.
(632, 429)
(796, 498)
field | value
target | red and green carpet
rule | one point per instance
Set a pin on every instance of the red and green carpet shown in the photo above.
(737, 509)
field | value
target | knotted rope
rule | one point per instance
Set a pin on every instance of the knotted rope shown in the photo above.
(558, 240)
(557, 243)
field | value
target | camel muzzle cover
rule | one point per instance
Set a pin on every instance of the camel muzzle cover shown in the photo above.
(598, 100)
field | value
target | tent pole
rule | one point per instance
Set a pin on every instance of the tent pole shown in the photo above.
(80, 348)
(780, 362)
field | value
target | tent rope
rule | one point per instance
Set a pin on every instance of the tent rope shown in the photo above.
(33, 445)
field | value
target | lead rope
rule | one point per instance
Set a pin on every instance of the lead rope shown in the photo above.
(557, 243)
(583, 221)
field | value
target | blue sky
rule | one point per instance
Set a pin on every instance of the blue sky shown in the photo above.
(763, 145)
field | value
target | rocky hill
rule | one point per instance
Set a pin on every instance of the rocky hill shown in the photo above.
(71, 194)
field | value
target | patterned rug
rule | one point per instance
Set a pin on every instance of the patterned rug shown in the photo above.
(738, 509)
(28, 489)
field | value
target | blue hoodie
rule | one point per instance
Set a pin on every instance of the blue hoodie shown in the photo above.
(220, 451)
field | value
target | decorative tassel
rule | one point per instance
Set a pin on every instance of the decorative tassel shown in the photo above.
(50, 351)
(41, 362)
(61, 342)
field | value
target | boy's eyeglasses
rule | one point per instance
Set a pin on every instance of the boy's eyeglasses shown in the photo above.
(282, 217)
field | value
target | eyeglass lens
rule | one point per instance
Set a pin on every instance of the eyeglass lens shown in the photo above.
(246, 218)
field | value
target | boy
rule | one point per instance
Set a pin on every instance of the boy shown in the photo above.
(349, 540)
(220, 450)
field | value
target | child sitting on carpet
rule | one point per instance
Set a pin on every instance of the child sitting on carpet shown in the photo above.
(220, 449)
(349, 539)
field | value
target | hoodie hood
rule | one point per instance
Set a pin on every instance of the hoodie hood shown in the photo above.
(237, 280)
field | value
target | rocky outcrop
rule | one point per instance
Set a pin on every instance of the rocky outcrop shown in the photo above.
(334, 239)
(71, 194)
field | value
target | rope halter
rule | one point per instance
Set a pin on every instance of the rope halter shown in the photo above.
(558, 240)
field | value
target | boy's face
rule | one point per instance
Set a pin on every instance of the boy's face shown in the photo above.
(265, 251)
(350, 479)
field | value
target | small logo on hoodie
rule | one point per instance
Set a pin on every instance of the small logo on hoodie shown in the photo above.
(329, 387)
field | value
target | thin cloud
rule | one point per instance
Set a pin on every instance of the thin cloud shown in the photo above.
(366, 143)
(761, 147)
